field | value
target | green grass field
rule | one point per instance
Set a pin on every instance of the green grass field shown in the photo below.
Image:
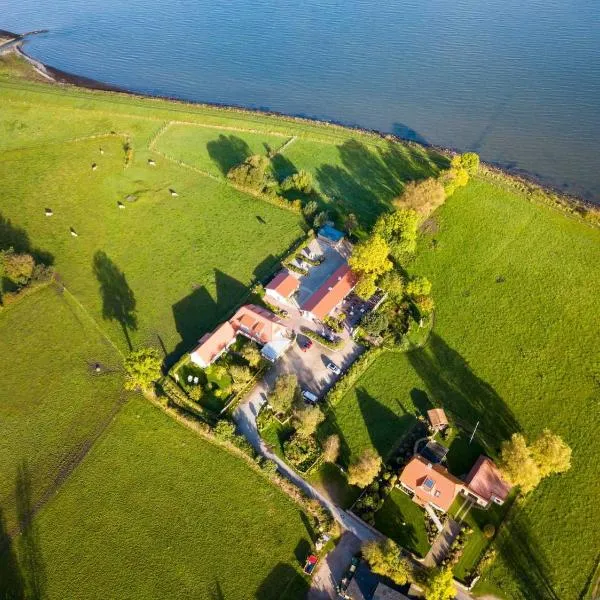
(514, 346)
(156, 512)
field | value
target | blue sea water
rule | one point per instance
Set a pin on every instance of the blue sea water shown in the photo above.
(516, 80)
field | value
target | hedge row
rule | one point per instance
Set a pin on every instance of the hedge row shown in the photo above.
(309, 333)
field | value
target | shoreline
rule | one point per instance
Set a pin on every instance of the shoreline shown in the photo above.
(529, 183)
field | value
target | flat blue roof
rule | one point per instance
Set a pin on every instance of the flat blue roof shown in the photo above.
(331, 233)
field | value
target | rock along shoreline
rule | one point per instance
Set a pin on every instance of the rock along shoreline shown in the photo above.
(527, 182)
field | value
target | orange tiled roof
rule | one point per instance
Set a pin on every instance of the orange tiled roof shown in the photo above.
(431, 483)
(258, 322)
(437, 417)
(485, 480)
(284, 284)
(331, 293)
(212, 344)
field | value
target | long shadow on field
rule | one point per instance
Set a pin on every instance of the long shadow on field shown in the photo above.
(408, 133)
(227, 151)
(229, 291)
(520, 551)
(12, 585)
(384, 425)
(15, 237)
(118, 299)
(31, 561)
(467, 398)
(282, 582)
(215, 591)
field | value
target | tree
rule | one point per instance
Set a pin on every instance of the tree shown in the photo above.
(196, 393)
(424, 304)
(385, 558)
(422, 196)
(251, 354)
(307, 419)
(17, 267)
(364, 468)
(370, 257)
(517, 465)
(393, 283)
(310, 208)
(551, 454)
(440, 585)
(350, 223)
(284, 393)
(469, 161)
(399, 229)
(142, 369)
(320, 219)
(374, 323)
(255, 172)
(240, 375)
(418, 286)
(301, 181)
(224, 430)
(331, 448)
(365, 286)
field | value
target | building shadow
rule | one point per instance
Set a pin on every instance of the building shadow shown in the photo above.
(521, 553)
(421, 401)
(229, 291)
(266, 267)
(282, 582)
(33, 569)
(227, 151)
(118, 299)
(15, 237)
(375, 414)
(302, 550)
(12, 586)
(465, 397)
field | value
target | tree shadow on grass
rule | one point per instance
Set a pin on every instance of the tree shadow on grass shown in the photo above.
(282, 166)
(12, 585)
(421, 401)
(15, 237)
(227, 151)
(467, 398)
(283, 582)
(385, 426)
(520, 551)
(118, 299)
(31, 560)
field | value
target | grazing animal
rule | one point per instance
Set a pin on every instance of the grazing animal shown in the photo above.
(74, 233)
(101, 151)
(173, 193)
(48, 212)
(120, 204)
(94, 166)
(151, 162)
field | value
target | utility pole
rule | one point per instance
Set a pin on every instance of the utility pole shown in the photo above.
(474, 430)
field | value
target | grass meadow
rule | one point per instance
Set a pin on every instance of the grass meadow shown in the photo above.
(514, 347)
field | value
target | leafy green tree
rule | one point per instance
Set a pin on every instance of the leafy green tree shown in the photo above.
(399, 229)
(142, 369)
(418, 286)
(364, 468)
(393, 283)
(195, 393)
(240, 375)
(440, 585)
(301, 181)
(16, 267)
(285, 393)
(255, 172)
(375, 323)
(517, 465)
(310, 208)
(224, 430)
(551, 454)
(370, 257)
(424, 304)
(331, 448)
(385, 558)
(365, 286)
(251, 354)
(469, 161)
(307, 419)
(422, 196)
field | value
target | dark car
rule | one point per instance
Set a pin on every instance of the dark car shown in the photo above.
(306, 345)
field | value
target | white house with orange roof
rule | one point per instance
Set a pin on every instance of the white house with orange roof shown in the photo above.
(282, 287)
(330, 295)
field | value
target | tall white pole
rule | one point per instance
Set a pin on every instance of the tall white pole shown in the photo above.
(474, 430)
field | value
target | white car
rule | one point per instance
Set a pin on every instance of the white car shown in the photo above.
(334, 368)
(309, 397)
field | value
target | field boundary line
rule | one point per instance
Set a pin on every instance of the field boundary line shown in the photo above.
(287, 144)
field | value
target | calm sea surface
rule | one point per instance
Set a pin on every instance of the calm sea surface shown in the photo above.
(516, 80)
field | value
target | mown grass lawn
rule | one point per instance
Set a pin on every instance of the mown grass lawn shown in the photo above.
(156, 512)
(404, 522)
(52, 402)
(514, 347)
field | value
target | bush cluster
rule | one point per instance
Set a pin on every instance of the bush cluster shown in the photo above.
(317, 337)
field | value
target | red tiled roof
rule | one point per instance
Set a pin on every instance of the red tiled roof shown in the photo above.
(284, 284)
(485, 480)
(257, 322)
(437, 417)
(431, 483)
(212, 344)
(331, 293)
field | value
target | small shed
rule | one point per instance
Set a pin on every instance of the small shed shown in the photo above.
(437, 419)
(330, 235)
(434, 452)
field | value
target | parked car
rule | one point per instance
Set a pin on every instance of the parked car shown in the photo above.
(334, 368)
(311, 563)
(307, 345)
(309, 397)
